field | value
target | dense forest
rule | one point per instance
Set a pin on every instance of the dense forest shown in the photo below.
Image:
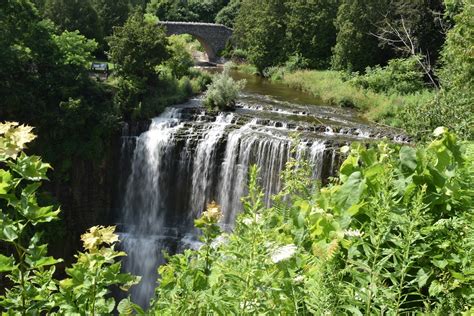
(392, 233)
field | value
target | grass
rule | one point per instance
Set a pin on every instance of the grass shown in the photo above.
(243, 67)
(331, 89)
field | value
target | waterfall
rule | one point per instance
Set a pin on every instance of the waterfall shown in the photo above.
(189, 157)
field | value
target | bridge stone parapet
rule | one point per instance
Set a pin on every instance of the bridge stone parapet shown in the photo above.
(213, 37)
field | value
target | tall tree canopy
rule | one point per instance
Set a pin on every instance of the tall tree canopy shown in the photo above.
(356, 46)
(189, 10)
(44, 82)
(229, 13)
(457, 72)
(260, 30)
(111, 13)
(310, 30)
(74, 15)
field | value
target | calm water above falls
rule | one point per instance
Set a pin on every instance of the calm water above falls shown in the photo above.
(188, 158)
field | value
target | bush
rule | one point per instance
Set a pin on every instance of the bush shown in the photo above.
(296, 62)
(222, 93)
(402, 76)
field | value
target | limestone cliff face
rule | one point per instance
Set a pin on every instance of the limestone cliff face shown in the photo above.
(86, 199)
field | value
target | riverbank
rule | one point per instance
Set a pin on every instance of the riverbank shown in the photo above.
(331, 88)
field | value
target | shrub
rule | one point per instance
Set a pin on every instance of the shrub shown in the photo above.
(296, 62)
(402, 76)
(222, 93)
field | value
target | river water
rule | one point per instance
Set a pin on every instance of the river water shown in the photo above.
(188, 158)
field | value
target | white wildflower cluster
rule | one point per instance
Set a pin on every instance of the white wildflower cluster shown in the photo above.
(353, 233)
(251, 220)
(283, 253)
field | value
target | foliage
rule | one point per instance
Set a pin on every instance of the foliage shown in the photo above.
(33, 289)
(420, 208)
(181, 60)
(191, 10)
(73, 15)
(222, 93)
(402, 76)
(355, 47)
(137, 48)
(333, 88)
(413, 28)
(45, 82)
(364, 244)
(75, 48)
(452, 107)
(153, 71)
(457, 75)
(259, 29)
(229, 13)
(310, 30)
(87, 289)
(111, 13)
(29, 269)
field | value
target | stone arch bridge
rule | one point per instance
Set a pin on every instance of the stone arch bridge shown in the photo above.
(213, 37)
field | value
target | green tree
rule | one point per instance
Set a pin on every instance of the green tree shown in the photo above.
(39, 4)
(457, 73)
(229, 13)
(44, 82)
(260, 29)
(310, 30)
(356, 48)
(111, 13)
(206, 10)
(137, 48)
(76, 49)
(74, 15)
(26, 55)
(417, 22)
(171, 10)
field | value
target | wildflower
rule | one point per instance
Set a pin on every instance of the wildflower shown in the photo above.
(283, 253)
(298, 279)
(353, 233)
(251, 220)
(213, 213)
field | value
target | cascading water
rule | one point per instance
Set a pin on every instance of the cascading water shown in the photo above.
(188, 158)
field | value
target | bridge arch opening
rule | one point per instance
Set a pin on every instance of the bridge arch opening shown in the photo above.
(213, 37)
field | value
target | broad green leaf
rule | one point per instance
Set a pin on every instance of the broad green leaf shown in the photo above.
(30, 167)
(5, 181)
(6, 263)
(435, 288)
(351, 191)
(408, 158)
(440, 263)
(422, 277)
(46, 261)
(125, 307)
(9, 233)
